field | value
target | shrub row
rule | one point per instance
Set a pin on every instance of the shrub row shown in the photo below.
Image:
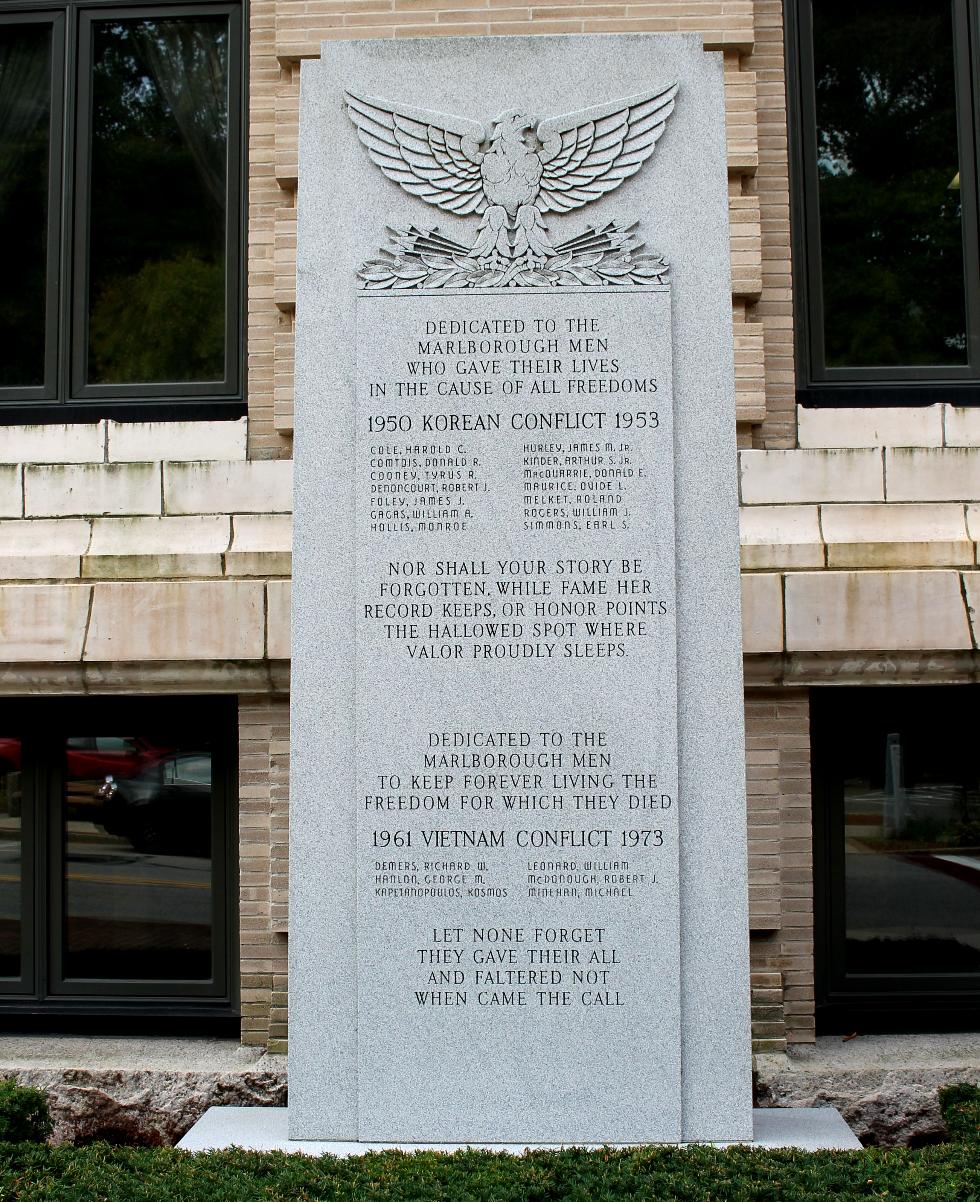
(100, 1173)
(34, 1172)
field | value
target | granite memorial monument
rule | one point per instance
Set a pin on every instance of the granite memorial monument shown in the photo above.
(518, 895)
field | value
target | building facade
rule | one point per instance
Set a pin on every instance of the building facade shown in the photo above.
(148, 177)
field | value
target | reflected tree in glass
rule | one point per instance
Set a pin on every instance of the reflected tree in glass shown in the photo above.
(889, 203)
(912, 855)
(158, 201)
(10, 858)
(25, 120)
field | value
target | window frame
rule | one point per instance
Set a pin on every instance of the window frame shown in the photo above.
(817, 384)
(64, 397)
(42, 992)
(911, 1003)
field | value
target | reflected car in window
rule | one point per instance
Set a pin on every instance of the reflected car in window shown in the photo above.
(166, 807)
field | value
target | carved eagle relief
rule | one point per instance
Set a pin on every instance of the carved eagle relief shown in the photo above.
(510, 173)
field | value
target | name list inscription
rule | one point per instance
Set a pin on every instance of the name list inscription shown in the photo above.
(576, 464)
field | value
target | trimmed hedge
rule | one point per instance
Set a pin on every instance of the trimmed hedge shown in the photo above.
(23, 1113)
(100, 1173)
(31, 1172)
(960, 1105)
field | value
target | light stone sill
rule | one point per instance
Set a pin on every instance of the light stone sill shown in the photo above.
(130, 442)
(876, 611)
(900, 554)
(962, 426)
(150, 565)
(37, 536)
(258, 563)
(762, 557)
(801, 477)
(932, 473)
(891, 427)
(128, 536)
(58, 443)
(38, 568)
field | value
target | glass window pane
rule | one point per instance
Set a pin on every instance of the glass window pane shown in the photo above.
(912, 858)
(138, 873)
(158, 201)
(25, 131)
(10, 858)
(888, 171)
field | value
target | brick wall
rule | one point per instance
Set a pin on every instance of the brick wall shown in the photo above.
(774, 311)
(777, 737)
(263, 732)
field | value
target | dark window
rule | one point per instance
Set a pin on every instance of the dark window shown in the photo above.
(120, 203)
(896, 775)
(117, 876)
(885, 212)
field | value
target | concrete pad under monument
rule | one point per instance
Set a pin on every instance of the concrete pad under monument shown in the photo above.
(518, 900)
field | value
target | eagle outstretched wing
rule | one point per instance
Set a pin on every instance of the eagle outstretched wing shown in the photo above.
(591, 152)
(431, 155)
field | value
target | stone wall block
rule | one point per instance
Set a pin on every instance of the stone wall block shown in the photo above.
(900, 536)
(131, 442)
(762, 613)
(902, 427)
(11, 490)
(128, 548)
(797, 477)
(78, 442)
(43, 622)
(177, 620)
(149, 1098)
(971, 587)
(962, 425)
(277, 619)
(257, 486)
(780, 536)
(937, 474)
(261, 545)
(42, 550)
(973, 526)
(885, 1086)
(91, 489)
(875, 611)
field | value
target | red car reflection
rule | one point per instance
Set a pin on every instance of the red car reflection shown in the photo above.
(89, 759)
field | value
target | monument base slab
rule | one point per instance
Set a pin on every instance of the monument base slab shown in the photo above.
(264, 1129)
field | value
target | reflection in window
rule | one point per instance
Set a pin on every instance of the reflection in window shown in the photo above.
(138, 866)
(891, 237)
(25, 116)
(901, 769)
(158, 201)
(10, 858)
(912, 866)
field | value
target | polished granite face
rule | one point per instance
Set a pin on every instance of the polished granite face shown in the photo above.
(518, 906)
